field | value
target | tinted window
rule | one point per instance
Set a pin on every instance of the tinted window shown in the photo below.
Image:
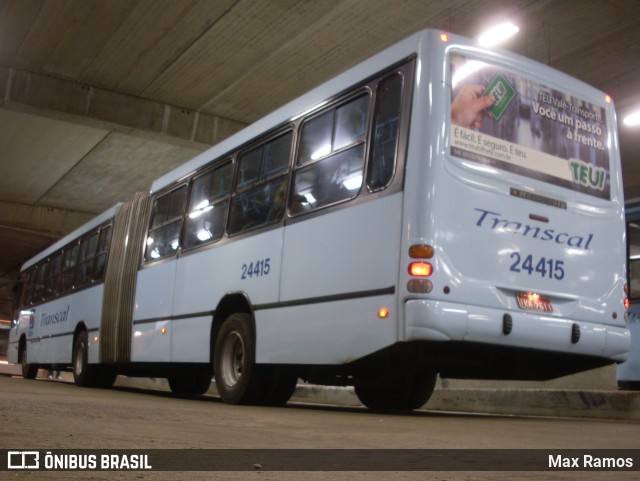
(69, 267)
(164, 236)
(101, 255)
(84, 271)
(315, 138)
(330, 181)
(385, 133)
(263, 200)
(331, 165)
(208, 206)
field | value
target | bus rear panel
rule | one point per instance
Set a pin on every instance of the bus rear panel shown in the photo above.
(520, 203)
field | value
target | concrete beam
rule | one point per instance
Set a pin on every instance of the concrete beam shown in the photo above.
(68, 97)
(45, 220)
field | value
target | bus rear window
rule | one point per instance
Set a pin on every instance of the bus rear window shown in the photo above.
(510, 122)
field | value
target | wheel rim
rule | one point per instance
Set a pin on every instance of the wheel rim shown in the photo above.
(233, 358)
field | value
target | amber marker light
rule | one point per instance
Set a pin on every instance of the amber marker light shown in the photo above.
(95, 338)
(421, 251)
(383, 313)
(444, 37)
(420, 269)
(163, 330)
(608, 99)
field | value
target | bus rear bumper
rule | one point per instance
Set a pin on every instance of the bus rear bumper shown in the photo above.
(427, 320)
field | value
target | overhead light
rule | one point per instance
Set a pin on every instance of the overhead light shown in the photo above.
(632, 120)
(498, 34)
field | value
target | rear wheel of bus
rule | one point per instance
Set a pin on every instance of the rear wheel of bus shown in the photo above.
(238, 378)
(395, 380)
(193, 381)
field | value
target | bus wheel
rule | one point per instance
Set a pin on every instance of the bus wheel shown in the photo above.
(283, 380)
(107, 377)
(29, 371)
(84, 374)
(400, 383)
(192, 382)
(234, 369)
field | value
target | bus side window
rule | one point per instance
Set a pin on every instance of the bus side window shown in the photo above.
(263, 201)
(25, 285)
(55, 269)
(102, 252)
(331, 172)
(84, 272)
(69, 268)
(39, 287)
(164, 235)
(208, 205)
(382, 163)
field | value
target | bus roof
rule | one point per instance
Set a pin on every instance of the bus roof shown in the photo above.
(294, 109)
(314, 98)
(83, 229)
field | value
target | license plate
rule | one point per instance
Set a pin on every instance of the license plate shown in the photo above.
(534, 302)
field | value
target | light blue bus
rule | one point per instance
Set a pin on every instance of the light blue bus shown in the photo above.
(437, 208)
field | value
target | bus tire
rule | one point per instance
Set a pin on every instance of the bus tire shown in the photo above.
(29, 371)
(196, 382)
(400, 382)
(84, 374)
(395, 396)
(283, 383)
(107, 377)
(235, 372)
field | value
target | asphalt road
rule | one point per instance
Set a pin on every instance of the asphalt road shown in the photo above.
(50, 415)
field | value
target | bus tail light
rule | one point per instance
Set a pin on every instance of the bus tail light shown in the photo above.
(420, 286)
(420, 269)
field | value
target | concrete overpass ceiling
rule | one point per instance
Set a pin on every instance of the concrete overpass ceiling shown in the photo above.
(99, 97)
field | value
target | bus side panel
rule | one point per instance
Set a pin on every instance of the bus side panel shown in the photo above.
(352, 250)
(328, 333)
(190, 339)
(55, 323)
(153, 305)
(352, 253)
(248, 266)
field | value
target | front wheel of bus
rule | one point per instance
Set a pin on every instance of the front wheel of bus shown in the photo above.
(29, 371)
(234, 368)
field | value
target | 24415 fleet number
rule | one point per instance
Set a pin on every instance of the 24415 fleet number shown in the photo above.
(258, 268)
(542, 266)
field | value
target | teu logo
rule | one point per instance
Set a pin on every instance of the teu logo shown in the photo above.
(23, 460)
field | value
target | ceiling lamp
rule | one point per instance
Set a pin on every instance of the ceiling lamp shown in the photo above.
(498, 34)
(632, 120)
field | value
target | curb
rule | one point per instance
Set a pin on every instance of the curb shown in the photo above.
(592, 404)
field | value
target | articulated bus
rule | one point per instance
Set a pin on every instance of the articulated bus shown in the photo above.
(437, 209)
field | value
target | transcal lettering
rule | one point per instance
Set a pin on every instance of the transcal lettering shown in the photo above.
(495, 221)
